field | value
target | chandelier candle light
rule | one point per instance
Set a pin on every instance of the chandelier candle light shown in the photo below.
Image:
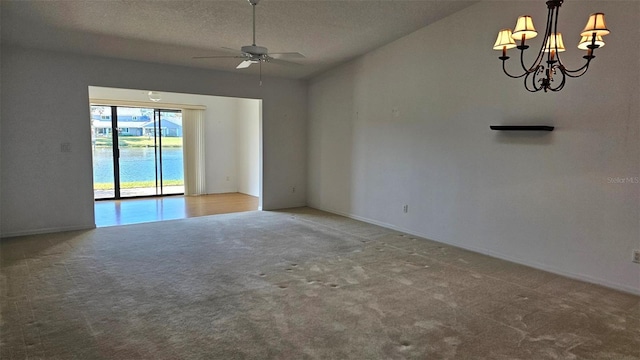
(540, 76)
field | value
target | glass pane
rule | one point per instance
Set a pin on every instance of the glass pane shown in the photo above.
(101, 139)
(137, 144)
(172, 166)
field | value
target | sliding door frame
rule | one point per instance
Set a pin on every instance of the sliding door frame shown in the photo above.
(116, 153)
(157, 141)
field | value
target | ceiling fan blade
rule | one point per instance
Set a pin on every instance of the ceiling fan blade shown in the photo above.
(244, 64)
(288, 55)
(219, 57)
(282, 62)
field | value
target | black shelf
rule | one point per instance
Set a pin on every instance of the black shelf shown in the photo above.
(522, 127)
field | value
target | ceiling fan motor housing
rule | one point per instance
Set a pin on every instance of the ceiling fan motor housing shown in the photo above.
(254, 50)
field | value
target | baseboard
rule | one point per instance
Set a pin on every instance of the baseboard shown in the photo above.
(292, 206)
(246, 193)
(46, 231)
(535, 265)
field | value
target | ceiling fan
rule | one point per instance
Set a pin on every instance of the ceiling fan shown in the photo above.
(254, 54)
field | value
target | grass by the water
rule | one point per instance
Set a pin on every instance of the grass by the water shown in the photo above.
(139, 141)
(137, 184)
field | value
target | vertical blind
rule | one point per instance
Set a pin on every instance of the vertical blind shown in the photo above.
(193, 152)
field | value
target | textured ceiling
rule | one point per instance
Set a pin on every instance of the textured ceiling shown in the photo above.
(172, 32)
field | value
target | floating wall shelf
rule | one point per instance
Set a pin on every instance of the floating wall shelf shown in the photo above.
(522, 127)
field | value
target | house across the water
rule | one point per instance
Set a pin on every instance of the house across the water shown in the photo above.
(130, 125)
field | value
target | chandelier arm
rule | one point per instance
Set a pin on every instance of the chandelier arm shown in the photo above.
(540, 70)
(554, 33)
(526, 70)
(534, 75)
(552, 30)
(581, 71)
(548, 29)
(561, 85)
(578, 72)
(526, 85)
(547, 34)
(522, 61)
(540, 56)
(504, 68)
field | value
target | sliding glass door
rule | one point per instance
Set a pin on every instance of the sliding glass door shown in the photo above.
(104, 156)
(136, 152)
(169, 134)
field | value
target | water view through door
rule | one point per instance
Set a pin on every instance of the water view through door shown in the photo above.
(136, 152)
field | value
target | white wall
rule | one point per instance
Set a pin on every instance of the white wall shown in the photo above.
(225, 152)
(45, 103)
(220, 147)
(409, 124)
(248, 147)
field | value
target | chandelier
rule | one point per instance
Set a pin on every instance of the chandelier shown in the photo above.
(549, 74)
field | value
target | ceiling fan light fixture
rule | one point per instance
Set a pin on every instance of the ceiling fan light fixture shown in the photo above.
(154, 96)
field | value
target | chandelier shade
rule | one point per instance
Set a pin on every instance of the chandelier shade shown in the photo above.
(595, 25)
(585, 41)
(554, 43)
(504, 40)
(524, 28)
(548, 72)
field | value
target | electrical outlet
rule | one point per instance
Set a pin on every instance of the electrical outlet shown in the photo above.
(636, 256)
(405, 209)
(293, 189)
(65, 147)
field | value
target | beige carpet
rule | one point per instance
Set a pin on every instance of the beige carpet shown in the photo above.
(298, 284)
